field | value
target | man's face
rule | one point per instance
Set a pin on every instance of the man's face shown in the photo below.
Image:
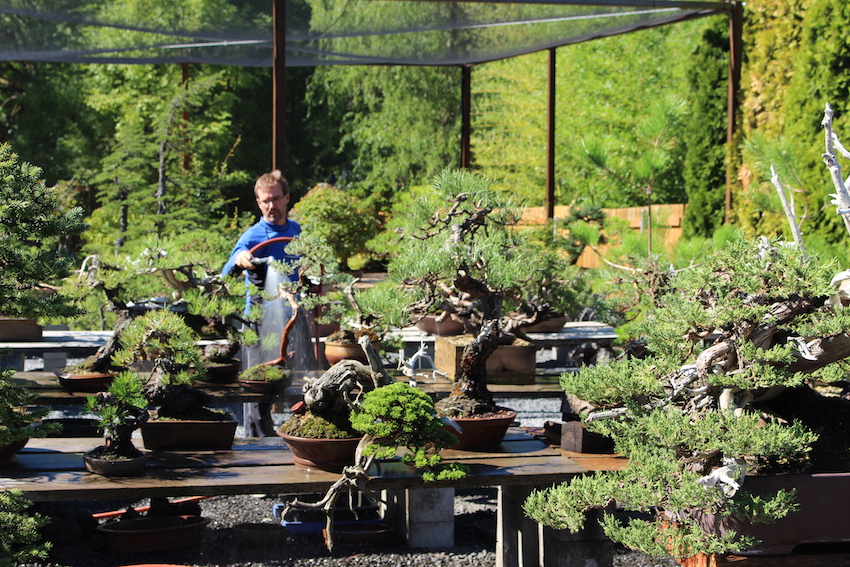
(272, 203)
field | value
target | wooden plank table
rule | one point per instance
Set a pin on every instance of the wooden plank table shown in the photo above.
(52, 469)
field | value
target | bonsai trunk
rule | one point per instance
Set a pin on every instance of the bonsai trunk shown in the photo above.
(470, 387)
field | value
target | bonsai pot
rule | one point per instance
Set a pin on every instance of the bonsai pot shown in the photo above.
(482, 433)
(447, 327)
(552, 325)
(129, 466)
(188, 434)
(153, 534)
(334, 352)
(9, 453)
(821, 517)
(262, 386)
(86, 381)
(329, 455)
(223, 372)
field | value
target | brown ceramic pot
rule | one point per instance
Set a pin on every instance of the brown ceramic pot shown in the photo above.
(187, 434)
(334, 352)
(153, 534)
(482, 433)
(324, 454)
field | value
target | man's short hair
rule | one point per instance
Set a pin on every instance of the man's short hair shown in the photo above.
(269, 179)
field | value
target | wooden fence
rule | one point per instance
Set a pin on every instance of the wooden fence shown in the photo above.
(667, 217)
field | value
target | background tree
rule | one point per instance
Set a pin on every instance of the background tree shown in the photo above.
(704, 133)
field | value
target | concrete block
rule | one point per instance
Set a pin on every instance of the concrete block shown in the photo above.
(425, 517)
(431, 504)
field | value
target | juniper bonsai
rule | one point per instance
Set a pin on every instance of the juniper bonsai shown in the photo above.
(392, 417)
(728, 343)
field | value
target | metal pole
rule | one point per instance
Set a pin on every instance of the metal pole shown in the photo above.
(465, 116)
(279, 84)
(736, 19)
(550, 141)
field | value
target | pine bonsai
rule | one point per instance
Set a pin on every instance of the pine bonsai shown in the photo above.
(121, 411)
(460, 249)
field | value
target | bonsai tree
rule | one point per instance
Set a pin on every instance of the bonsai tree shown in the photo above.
(734, 346)
(31, 258)
(32, 263)
(178, 273)
(121, 411)
(460, 250)
(389, 418)
(164, 341)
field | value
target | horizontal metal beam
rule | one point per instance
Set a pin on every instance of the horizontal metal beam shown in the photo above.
(717, 5)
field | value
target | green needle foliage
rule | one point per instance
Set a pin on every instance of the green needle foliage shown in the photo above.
(400, 415)
(723, 334)
(29, 238)
(20, 542)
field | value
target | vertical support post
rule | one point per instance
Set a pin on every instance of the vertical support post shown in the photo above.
(186, 157)
(278, 84)
(465, 116)
(550, 140)
(736, 19)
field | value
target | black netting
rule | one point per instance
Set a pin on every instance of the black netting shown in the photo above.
(318, 32)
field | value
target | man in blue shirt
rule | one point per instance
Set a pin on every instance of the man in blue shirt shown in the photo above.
(272, 193)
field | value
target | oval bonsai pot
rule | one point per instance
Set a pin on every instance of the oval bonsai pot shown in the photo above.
(153, 534)
(131, 466)
(329, 455)
(86, 381)
(447, 327)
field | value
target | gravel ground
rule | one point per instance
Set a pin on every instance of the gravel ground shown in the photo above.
(77, 544)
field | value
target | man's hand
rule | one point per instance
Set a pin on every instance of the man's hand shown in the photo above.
(243, 260)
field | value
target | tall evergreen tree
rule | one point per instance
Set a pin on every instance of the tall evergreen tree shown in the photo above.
(705, 132)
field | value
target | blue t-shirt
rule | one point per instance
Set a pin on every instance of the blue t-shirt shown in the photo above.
(258, 233)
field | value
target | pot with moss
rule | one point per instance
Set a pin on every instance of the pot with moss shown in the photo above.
(319, 433)
(389, 417)
(265, 378)
(181, 420)
(121, 411)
